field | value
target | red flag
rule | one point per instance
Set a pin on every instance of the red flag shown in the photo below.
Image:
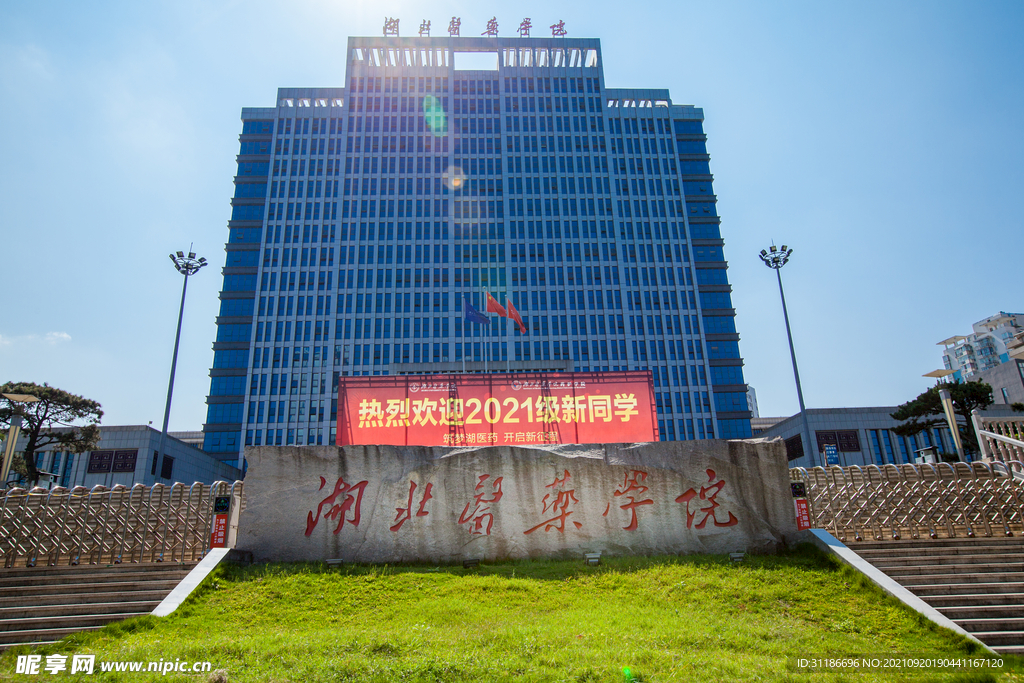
(494, 307)
(514, 314)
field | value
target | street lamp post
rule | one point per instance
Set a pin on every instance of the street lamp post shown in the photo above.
(775, 258)
(186, 265)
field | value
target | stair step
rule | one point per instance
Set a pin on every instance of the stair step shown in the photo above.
(68, 588)
(41, 635)
(940, 561)
(33, 643)
(82, 598)
(993, 626)
(925, 589)
(997, 639)
(898, 550)
(82, 569)
(983, 571)
(78, 622)
(1008, 649)
(968, 599)
(959, 612)
(70, 610)
(998, 541)
(45, 578)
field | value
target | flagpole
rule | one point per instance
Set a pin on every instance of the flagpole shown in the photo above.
(508, 356)
(464, 321)
(487, 336)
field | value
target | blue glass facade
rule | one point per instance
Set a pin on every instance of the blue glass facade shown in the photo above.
(362, 216)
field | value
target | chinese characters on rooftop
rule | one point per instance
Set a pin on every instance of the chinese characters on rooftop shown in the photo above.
(491, 30)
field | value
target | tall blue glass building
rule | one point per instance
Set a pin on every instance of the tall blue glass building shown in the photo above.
(363, 216)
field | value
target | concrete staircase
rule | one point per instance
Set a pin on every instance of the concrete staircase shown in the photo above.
(978, 583)
(43, 604)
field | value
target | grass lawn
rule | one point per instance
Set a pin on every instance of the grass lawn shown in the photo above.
(692, 618)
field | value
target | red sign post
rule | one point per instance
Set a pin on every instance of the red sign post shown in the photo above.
(497, 409)
(803, 514)
(219, 535)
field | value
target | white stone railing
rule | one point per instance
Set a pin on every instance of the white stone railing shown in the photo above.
(945, 500)
(109, 526)
(999, 438)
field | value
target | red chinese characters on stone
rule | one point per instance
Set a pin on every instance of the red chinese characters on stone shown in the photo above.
(481, 518)
(405, 514)
(351, 499)
(632, 483)
(708, 494)
(561, 501)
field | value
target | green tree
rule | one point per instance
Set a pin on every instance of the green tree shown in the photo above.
(43, 419)
(926, 410)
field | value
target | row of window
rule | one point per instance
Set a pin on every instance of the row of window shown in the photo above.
(488, 126)
(674, 324)
(473, 125)
(421, 328)
(360, 279)
(517, 230)
(438, 303)
(557, 252)
(300, 357)
(419, 278)
(477, 210)
(514, 144)
(294, 437)
(472, 166)
(319, 126)
(481, 231)
(275, 413)
(417, 302)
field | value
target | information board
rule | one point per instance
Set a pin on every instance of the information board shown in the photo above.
(497, 409)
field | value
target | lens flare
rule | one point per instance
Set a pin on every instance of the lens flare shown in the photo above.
(454, 178)
(434, 116)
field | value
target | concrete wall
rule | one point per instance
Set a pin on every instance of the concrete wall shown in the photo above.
(1009, 376)
(359, 504)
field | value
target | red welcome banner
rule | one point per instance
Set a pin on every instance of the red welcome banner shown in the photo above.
(497, 409)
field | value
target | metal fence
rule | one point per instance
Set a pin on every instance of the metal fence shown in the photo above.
(1000, 438)
(945, 500)
(109, 526)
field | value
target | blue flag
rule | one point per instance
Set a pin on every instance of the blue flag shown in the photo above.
(472, 315)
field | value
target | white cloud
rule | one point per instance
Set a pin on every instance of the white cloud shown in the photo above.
(51, 338)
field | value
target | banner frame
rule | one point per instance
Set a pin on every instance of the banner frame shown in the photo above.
(345, 420)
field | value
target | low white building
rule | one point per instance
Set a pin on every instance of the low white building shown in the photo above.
(130, 455)
(862, 436)
(984, 348)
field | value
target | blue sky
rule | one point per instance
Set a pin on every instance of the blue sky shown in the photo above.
(883, 141)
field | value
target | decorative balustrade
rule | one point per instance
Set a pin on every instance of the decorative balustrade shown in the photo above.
(109, 526)
(945, 500)
(1000, 438)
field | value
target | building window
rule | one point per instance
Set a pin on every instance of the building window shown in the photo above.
(124, 461)
(167, 467)
(100, 462)
(794, 448)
